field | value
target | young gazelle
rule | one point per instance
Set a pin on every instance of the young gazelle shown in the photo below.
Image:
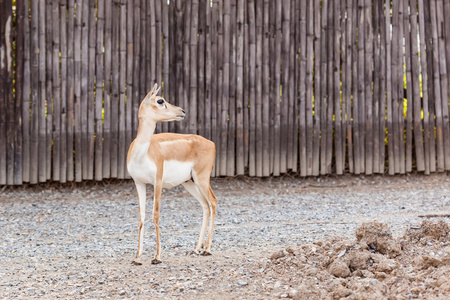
(167, 160)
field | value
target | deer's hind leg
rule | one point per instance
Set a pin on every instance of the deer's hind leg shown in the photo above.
(203, 184)
(193, 189)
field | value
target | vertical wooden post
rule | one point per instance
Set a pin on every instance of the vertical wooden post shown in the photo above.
(192, 87)
(424, 86)
(129, 82)
(368, 45)
(252, 86)
(106, 172)
(348, 83)
(240, 90)
(303, 110)
(90, 90)
(56, 93)
(70, 91)
(317, 89)
(339, 154)
(258, 88)
(6, 95)
(18, 97)
(99, 91)
(48, 100)
(63, 92)
(121, 162)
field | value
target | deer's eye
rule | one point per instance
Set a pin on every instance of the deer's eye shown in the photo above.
(160, 101)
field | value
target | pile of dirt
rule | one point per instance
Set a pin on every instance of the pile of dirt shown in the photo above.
(374, 266)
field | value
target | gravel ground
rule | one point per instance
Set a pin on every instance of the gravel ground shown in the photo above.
(78, 241)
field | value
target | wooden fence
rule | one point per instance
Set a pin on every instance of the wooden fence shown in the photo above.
(314, 87)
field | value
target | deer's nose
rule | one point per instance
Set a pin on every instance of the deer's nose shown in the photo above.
(183, 111)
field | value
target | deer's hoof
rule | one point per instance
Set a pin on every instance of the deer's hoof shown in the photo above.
(206, 253)
(136, 262)
(155, 261)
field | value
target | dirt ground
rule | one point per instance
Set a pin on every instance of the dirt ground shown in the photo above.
(367, 263)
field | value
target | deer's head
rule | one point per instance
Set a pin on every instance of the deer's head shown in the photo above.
(157, 109)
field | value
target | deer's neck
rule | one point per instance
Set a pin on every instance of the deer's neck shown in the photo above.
(145, 130)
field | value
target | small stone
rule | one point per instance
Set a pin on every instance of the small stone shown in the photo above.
(242, 283)
(122, 292)
(339, 269)
(277, 255)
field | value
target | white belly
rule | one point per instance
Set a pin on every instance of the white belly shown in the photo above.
(143, 170)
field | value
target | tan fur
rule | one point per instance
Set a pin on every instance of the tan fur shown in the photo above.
(152, 157)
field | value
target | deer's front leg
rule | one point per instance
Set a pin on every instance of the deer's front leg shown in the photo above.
(141, 191)
(156, 209)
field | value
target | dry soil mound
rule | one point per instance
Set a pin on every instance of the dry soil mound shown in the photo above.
(374, 266)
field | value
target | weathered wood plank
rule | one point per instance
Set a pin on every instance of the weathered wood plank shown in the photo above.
(77, 93)
(42, 126)
(136, 64)
(6, 99)
(258, 87)
(106, 163)
(165, 55)
(443, 82)
(26, 92)
(193, 46)
(99, 91)
(317, 89)
(284, 126)
(48, 100)
(323, 88)
(56, 93)
(208, 73)
(186, 65)
(214, 80)
(225, 87)
(431, 108)
(70, 92)
(90, 136)
(382, 113)
(309, 85)
(409, 89)
(437, 88)
(84, 78)
(360, 162)
(396, 81)
(277, 90)
(446, 42)
(330, 78)
(303, 87)
(240, 163)
(122, 150)
(18, 140)
(129, 82)
(401, 102)
(339, 155)
(390, 125)
(348, 83)
(115, 89)
(293, 87)
(368, 53)
(415, 81)
(424, 87)
(231, 140)
(252, 86)
(63, 93)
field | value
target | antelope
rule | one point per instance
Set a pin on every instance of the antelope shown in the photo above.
(166, 160)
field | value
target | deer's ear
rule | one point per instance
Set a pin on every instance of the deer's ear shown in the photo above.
(152, 92)
(156, 90)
